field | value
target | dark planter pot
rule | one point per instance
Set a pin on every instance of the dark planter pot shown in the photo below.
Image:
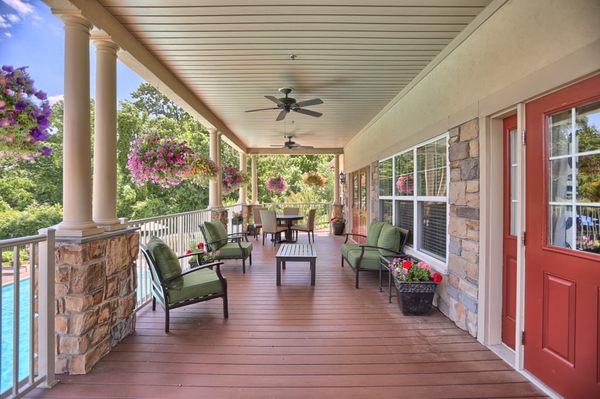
(338, 228)
(415, 299)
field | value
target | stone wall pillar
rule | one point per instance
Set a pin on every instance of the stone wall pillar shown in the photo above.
(95, 297)
(220, 214)
(458, 297)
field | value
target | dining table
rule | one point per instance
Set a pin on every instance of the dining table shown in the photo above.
(289, 221)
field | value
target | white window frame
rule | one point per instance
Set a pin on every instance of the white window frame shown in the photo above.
(438, 264)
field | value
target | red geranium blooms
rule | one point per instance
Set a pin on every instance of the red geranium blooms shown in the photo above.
(407, 263)
(437, 277)
(200, 246)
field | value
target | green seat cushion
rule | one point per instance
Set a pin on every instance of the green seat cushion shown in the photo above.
(194, 285)
(374, 232)
(232, 250)
(216, 234)
(346, 248)
(166, 260)
(390, 239)
(370, 260)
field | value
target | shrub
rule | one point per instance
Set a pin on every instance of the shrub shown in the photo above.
(15, 223)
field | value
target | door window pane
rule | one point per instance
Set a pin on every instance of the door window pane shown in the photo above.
(561, 180)
(560, 128)
(588, 178)
(405, 181)
(432, 220)
(513, 182)
(385, 178)
(588, 127)
(560, 231)
(588, 228)
(385, 210)
(405, 217)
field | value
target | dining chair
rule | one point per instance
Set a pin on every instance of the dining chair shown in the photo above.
(292, 211)
(309, 227)
(257, 220)
(269, 226)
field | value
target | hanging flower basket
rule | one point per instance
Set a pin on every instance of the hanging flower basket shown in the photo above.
(203, 169)
(159, 160)
(276, 184)
(314, 179)
(404, 185)
(232, 179)
(415, 284)
(24, 116)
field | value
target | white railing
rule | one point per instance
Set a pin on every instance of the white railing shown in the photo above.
(27, 314)
(179, 231)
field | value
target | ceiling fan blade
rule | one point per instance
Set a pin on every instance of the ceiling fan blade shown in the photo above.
(276, 145)
(281, 115)
(304, 147)
(307, 112)
(308, 103)
(261, 109)
(274, 99)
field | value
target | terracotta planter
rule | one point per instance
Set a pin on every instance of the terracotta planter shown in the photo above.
(415, 298)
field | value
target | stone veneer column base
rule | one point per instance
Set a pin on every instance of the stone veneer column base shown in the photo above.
(95, 297)
(219, 214)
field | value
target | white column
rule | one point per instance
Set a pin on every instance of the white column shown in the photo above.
(77, 168)
(243, 195)
(104, 200)
(254, 181)
(214, 189)
(336, 180)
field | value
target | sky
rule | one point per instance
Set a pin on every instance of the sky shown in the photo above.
(31, 36)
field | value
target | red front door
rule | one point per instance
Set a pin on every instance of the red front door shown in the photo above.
(562, 312)
(509, 257)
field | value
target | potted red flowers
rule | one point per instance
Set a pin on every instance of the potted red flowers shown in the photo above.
(202, 256)
(338, 224)
(415, 285)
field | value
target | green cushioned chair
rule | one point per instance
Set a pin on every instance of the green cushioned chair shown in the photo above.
(174, 288)
(382, 239)
(226, 246)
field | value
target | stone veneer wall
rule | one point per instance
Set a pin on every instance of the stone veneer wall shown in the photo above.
(459, 293)
(95, 298)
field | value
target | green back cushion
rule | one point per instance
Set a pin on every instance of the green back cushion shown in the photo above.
(389, 238)
(374, 232)
(166, 260)
(215, 232)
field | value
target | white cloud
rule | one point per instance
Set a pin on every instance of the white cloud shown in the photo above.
(4, 23)
(21, 6)
(55, 99)
(8, 34)
(14, 18)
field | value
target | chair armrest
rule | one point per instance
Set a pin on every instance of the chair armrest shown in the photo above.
(190, 254)
(353, 234)
(205, 266)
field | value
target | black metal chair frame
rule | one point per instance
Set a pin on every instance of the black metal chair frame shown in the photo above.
(160, 292)
(231, 238)
(398, 254)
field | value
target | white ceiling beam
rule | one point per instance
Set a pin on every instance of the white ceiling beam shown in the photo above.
(287, 151)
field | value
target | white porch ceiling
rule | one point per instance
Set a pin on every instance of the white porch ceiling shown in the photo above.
(355, 55)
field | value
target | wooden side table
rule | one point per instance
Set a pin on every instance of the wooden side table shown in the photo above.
(297, 253)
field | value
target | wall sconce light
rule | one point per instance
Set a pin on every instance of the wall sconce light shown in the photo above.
(342, 178)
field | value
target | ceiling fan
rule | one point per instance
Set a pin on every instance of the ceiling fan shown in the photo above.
(287, 104)
(291, 145)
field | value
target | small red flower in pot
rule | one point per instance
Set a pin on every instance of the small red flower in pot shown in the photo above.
(200, 246)
(436, 277)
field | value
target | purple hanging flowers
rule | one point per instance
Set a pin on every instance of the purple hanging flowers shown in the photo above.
(276, 184)
(159, 160)
(232, 179)
(24, 116)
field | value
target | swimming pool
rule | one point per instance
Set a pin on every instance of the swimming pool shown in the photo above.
(6, 348)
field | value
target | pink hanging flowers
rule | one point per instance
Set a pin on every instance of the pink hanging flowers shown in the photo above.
(159, 160)
(276, 184)
(232, 179)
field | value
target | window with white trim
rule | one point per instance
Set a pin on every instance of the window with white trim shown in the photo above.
(418, 197)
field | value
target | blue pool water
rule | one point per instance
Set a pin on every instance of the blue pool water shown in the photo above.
(6, 349)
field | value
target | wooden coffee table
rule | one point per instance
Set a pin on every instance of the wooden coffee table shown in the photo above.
(297, 253)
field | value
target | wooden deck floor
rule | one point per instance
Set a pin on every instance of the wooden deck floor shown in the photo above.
(297, 341)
